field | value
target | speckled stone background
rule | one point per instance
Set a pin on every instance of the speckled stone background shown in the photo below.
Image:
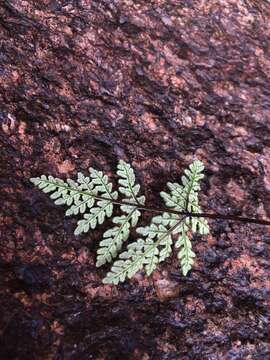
(157, 83)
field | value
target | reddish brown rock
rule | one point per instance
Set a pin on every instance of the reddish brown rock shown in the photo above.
(157, 83)
(166, 289)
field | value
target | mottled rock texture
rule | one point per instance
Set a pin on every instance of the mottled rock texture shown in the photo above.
(157, 83)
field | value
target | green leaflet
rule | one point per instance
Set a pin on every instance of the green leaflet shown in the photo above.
(185, 255)
(102, 184)
(114, 238)
(184, 197)
(93, 198)
(81, 196)
(127, 183)
(97, 216)
(144, 253)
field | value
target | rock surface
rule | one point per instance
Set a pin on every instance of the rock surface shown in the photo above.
(157, 83)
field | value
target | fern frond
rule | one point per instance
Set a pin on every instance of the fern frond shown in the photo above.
(114, 238)
(93, 197)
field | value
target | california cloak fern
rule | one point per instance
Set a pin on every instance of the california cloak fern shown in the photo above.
(94, 198)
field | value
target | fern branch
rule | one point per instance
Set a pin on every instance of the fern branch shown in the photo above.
(185, 255)
(185, 197)
(114, 238)
(136, 258)
(191, 179)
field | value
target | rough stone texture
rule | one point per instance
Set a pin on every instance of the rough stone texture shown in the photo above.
(155, 83)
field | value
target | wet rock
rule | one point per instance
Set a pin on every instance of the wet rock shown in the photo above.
(266, 239)
(258, 249)
(21, 330)
(262, 352)
(166, 20)
(191, 285)
(180, 325)
(34, 276)
(217, 339)
(248, 297)
(241, 278)
(167, 289)
(254, 144)
(223, 243)
(158, 83)
(216, 305)
(198, 325)
(243, 332)
(237, 354)
(212, 257)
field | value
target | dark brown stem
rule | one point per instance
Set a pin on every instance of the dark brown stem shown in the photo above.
(186, 213)
(164, 209)
(206, 215)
